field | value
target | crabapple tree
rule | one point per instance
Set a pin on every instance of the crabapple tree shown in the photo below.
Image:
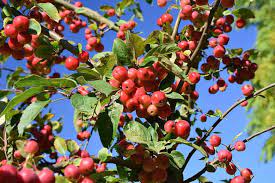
(140, 97)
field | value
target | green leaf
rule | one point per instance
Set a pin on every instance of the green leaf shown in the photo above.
(138, 12)
(35, 27)
(114, 113)
(21, 98)
(103, 154)
(135, 43)
(162, 50)
(83, 103)
(34, 80)
(105, 129)
(122, 52)
(244, 13)
(60, 145)
(87, 73)
(105, 8)
(30, 113)
(51, 11)
(61, 179)
(76, 118)
(149, 61)
(175, 95)
(44, 51)
(102, 86)
(72, 145)
(105, 63)
(149, 1)
(178, 158)
(153, 133)
(182, 141)
(203, 179)
(136, 132)
(20, 144)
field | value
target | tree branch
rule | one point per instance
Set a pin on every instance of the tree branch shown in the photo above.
(222, 117)
(176, 27)
(202, 171)
(89, 13)
(201, 41)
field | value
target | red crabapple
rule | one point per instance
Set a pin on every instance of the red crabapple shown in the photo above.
(169, 126)
(182, 129)
(247, 90)
(194, 77)
(227, 3)
(162, 3)
(31, 147)
(8, 174)
(239, 146)
(27, 175)
(10, 31)
(21, 23)
(247, 174)
(71, 63)
(120, 73)
(46, 176)
(72, 172)
(215, 140)
(86, 165)
(128, 86)
(231, 168)
(158, 98)
(152, 110)
(224, 156)
(238, 179)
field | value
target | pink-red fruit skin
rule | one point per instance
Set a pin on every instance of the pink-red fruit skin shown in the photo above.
(239, 146)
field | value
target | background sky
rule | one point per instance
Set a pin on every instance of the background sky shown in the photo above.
(235, 122)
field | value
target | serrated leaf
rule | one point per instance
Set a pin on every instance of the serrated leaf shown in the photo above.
(178, 158)
(175, 95)
(35, 27)
(72, 145)
(136, 132)
(114, 113)
(102, 86)
(148, 61)
(136, 43)
(83, 103)
(21, 98)
(122, 52)
(60, 145)
(34, 80)
(244, 13)
(51, 11)
(103, 154)
(30, 113)
(44, 51)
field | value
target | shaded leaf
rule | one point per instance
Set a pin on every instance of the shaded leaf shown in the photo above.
(122, 52)
(102, 86)
(136, 132)
(51, 11)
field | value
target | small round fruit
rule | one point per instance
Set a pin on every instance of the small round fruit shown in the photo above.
(182, 129)
(247, 90)
(128, 86)
(247, 174)
(238, 179)
(152, 110)
(120, 73)
(71, 63)
(239, 146)
(21, 23)
(194, 77)
(231, 169)
(46, 176)
(10, 31)
(86, 165)
(227, 3)
(215, 140)
(83, 57)
(27, 175)
(8, 174)
(72, 172)
(224, 156)
(169, 126)
(158, 98)
(31, 147)
(162, 3)
(203, 118)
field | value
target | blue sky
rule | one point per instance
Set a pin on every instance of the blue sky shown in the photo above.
(231, 126)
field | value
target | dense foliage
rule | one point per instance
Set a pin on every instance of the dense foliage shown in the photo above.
(140, 97)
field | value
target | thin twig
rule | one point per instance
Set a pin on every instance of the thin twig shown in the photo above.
(206, 135)
(176, 27)
(202, 171)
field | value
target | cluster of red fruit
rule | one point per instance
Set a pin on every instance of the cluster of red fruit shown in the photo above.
(180, 128)
(124, 27)
(72, 63)
(78, 173)
(166, 18)
(72, 19)
(225, 157)
(10, 174)
(154, 168)
(139, 90)
(93, 43)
